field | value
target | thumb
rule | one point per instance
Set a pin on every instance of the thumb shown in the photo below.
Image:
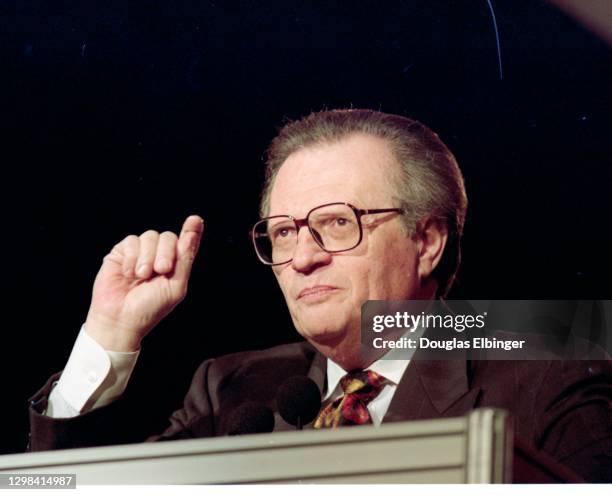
(187, 248)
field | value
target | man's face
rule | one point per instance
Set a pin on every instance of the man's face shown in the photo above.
(324, 292)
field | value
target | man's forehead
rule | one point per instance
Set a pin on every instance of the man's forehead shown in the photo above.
(357, 170)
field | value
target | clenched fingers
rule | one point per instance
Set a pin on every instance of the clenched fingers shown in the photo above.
(129, 248)
(146, 255)
(166, 253)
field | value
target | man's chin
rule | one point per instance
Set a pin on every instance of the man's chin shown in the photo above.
(327, 325)
(323, 336)
(342, 347)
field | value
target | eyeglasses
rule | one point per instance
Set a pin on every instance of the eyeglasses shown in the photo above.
(335, 227)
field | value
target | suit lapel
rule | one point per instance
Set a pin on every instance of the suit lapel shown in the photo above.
(318, 371)
(432, 389)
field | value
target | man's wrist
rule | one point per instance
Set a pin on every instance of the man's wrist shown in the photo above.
(110, 338)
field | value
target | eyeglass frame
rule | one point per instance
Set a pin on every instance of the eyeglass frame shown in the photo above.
(299, 223)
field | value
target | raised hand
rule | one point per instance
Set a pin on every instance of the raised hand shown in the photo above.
(141, 280)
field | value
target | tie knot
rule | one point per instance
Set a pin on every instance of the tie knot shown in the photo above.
(365, 384)
(360, 388)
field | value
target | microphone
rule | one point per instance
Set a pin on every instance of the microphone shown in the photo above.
(298, 400)
(250, 417)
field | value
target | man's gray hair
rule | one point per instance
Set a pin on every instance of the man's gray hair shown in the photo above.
(429, 183)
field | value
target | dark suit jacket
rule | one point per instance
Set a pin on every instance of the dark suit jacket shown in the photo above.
(561, 407)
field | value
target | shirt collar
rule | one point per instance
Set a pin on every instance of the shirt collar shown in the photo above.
(391, 369)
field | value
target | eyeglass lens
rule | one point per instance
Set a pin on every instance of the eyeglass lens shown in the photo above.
(334, 227)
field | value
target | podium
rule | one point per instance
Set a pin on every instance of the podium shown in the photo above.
(476, 448)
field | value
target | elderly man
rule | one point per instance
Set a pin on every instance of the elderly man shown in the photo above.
(358, 205)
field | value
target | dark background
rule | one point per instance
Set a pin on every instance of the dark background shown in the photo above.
(126, 116)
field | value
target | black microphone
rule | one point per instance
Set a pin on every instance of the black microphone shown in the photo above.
(250, 417)
(298, 400)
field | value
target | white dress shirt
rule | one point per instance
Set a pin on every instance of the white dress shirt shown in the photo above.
(94, 377)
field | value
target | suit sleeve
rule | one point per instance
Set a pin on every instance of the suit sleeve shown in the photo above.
(196, 419)
(575, 424)
(117, 423)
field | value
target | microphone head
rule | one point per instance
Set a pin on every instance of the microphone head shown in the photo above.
(298, 397)
(250, 417)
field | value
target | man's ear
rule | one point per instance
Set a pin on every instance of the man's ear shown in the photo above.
(431, 235)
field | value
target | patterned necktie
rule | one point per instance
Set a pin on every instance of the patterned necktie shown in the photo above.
(360, 387)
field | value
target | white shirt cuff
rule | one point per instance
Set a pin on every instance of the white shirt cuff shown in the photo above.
(93, 377)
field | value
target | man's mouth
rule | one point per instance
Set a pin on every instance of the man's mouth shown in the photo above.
(316, 291)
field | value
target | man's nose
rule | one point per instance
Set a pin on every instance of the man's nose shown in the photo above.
(308, 254)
